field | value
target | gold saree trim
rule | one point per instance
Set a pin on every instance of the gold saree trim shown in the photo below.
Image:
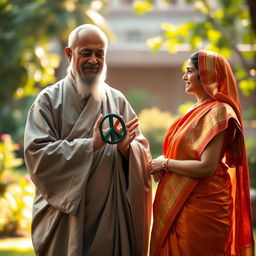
(168, 207)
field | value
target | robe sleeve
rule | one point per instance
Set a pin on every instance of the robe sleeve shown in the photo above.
(139, 192)
(59, 168)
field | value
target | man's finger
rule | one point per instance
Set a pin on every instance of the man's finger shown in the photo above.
(133, 127)
(97, 124)
(130, 123)
(117, 122)
(132, 136)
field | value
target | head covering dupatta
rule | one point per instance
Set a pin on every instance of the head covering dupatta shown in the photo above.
(219, 82)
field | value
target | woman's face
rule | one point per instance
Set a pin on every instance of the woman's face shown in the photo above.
(191, 77)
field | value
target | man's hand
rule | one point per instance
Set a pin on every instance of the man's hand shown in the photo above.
(124, 145)
(96, 137)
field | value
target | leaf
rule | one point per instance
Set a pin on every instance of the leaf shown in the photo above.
(201, 7)
(172, 46)
(213, 35)
(154, 43)
(142, 7)
(219, 14)
(247, 86)
(240, 73)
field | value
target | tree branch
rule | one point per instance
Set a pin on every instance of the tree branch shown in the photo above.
(227, 36)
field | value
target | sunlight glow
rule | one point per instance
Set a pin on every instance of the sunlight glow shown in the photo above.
(97, 5)
(70, 6)
(20, 91)
(17, 243)
(38, 76)
(39, 52)
(253, 72)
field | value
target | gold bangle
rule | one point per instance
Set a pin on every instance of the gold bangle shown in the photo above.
(165, 164)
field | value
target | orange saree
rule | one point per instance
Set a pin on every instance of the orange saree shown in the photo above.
(206, 216)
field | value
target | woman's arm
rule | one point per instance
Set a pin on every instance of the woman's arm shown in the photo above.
(204, 167)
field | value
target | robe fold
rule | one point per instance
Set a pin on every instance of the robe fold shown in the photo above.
(87, 203)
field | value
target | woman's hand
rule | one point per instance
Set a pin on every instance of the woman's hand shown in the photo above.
(156, 168)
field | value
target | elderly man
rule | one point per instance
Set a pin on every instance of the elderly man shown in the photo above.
(92, 198)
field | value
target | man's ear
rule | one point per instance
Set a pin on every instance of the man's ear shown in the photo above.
(68, 53)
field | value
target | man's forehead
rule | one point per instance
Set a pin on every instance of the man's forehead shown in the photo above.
(90, 41)
(88, 49)
(90, 35)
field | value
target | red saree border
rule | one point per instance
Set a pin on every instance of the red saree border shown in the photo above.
(215, 130)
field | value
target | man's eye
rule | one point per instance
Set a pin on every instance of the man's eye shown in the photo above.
(99, 55)
(85, 54)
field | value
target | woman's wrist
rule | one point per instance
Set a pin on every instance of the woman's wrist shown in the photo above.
(165, 164)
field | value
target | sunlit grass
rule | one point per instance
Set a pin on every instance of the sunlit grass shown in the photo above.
(15, 252)
(16, 247)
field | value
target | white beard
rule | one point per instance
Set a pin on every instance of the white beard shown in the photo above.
(94, 88)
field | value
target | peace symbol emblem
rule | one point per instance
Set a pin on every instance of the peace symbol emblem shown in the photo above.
(115, 136)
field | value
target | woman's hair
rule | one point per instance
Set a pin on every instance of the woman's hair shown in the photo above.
(194, 59)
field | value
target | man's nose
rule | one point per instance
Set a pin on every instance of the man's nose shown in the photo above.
(93, 59)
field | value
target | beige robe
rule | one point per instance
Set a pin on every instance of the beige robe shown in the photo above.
(87, 203)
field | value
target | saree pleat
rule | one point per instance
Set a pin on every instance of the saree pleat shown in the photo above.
(205, 216)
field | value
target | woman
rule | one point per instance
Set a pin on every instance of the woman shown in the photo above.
(202, 203)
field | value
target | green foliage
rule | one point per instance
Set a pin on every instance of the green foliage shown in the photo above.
(251, 149)
(214, 30)
(248, 86)
(13, 118)
(154, 124)
(249, 114)
(142, 7)
(183, 108)
(16, 216)
(8, 162)
(26, 46)
(141, 98)
(14, 252)
(16, 194)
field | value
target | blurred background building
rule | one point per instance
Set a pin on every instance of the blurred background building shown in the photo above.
(131, 63)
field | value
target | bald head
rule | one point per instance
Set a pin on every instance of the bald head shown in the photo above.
(84, 30)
